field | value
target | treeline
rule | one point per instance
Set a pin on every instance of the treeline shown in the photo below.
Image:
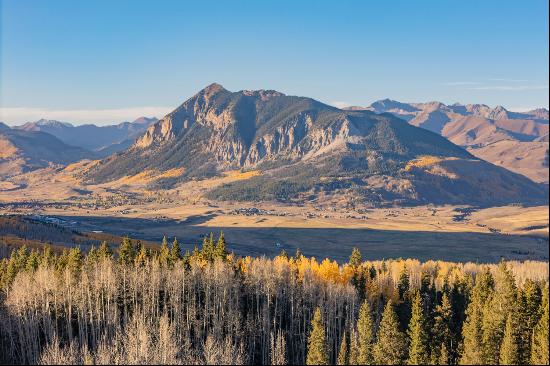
(143, 306)
(31, 229)
(35, 231)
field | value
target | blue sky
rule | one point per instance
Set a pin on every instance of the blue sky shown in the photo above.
(108, 61)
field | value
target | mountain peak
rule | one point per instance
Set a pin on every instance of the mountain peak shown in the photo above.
(212, 89)
(52, 123)
(541, 113)
(499, 112)
(385, 105)
(262, 94)
(145, 120)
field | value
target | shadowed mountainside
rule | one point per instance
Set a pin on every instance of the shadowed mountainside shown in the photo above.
(22, 151)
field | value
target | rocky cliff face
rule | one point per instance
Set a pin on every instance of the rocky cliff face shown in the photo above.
(235, 121)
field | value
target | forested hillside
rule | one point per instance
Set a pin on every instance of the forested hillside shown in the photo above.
(140, 306)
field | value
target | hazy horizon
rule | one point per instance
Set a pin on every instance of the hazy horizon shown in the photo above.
(18, 116)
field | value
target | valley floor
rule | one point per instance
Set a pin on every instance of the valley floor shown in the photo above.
(420, 232)
(458, 233)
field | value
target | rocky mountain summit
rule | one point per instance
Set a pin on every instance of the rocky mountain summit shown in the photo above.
(306, 150)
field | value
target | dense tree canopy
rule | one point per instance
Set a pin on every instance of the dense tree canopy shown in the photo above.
(140, 304)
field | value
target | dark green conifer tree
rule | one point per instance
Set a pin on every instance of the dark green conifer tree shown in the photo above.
(418, 334)
(105, 251)
(92, 256)
(366, 334)
(495, 313)
(175, 251)
(316, 345)
(510, 349)
(33, 261)
(48, 258)
(539, 347)
(75, 260)
(403, 283)
(391, 346)
(126, 253)
(442, 338)
(530, 299)
(472, 332)
(220, 250)
(355, 259)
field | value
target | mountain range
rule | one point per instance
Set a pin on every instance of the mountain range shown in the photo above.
(42, 143)
(103, 140)
(22, 151)
(516, 141)
(303, 150)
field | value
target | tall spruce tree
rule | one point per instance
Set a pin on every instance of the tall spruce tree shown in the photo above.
(104, 250)
(220, 250)
(175, 251)
(343, 353)
(164, 253)
(391, 346)
(48, 257)
(354, 348)
(355, 259)
(539, 347)
(510, 352)
(366, 334)
(126, 253)
(75, 259)
(418, 334)
(403, 283)
(442, 338)
(495, 313)
(530, 299)
(92, 256)
(317, 344)
(472, 346)
(33, 261)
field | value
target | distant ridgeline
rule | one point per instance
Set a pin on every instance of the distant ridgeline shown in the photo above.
(145, 306)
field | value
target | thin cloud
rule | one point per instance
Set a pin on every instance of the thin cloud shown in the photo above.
(17, 115)
(461, 83)
(511, 87)
(510, 80)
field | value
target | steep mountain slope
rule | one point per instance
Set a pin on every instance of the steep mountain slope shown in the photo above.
(509, 139)
(21, 151)
(105, 140)
(307, 150)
